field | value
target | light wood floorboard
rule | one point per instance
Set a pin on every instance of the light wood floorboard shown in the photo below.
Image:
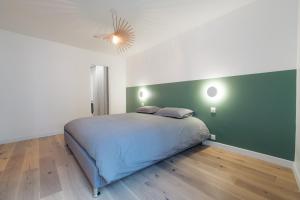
(45, 169)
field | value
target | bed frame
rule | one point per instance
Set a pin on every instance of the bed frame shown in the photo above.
(87, 164)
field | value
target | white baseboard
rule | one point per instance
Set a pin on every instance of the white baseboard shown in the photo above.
(29, 137)
(260, 156)
(297, 174)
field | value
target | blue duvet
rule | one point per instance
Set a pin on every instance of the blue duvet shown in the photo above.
(125, 143)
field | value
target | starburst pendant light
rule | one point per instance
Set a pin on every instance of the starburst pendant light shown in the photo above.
(123, 35)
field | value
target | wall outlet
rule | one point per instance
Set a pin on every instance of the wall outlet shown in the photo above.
(213, 137)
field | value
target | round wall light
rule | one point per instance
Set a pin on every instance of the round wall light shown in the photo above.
(143, 94)
(214, 92)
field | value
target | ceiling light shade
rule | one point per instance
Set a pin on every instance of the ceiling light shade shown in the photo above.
(123, 35)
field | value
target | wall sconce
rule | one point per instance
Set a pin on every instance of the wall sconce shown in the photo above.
(143, 95)
(214, 92)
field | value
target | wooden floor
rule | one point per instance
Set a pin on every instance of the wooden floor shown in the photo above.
(44, 169)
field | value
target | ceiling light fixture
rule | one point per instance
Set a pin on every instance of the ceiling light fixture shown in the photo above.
(116, 39)
(123, 35)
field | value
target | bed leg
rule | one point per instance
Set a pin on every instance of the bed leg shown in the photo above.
(68, 149)
(96, 192)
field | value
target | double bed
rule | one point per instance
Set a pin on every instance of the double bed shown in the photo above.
(111, 147)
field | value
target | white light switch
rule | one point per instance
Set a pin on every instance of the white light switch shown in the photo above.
(213, 109)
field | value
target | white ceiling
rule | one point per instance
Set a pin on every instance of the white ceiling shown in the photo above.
(74, 22)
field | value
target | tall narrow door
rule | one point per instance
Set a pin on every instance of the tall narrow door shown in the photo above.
(99, 90)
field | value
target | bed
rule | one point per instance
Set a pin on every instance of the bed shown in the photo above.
(111, 147)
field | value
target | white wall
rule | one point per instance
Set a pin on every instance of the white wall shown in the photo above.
(260, 37)
(297, 151)
(45, 84)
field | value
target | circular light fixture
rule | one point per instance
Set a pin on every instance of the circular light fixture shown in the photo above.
(143, 94)
(212, 91)
(123, 35)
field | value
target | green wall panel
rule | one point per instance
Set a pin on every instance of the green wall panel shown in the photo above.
(258, 111)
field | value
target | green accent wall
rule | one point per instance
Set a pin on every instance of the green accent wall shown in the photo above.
(257, 112)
